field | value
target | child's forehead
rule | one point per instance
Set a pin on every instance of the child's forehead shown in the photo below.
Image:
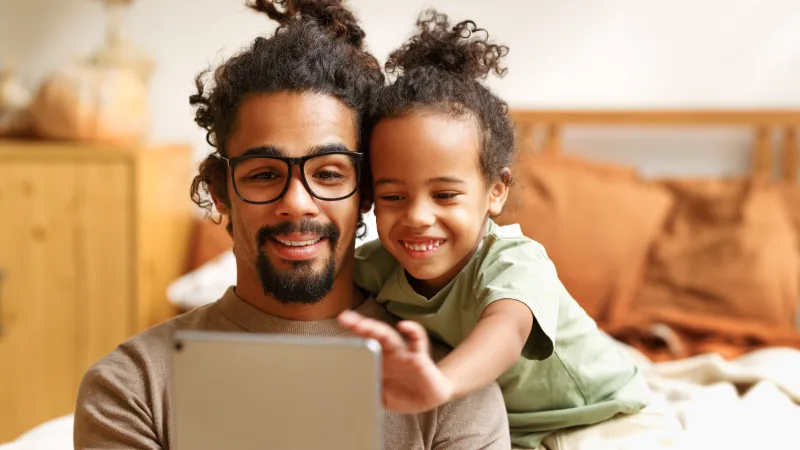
(426, 135)
(425, 150)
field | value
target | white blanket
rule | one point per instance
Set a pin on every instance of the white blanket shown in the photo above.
(751, 402)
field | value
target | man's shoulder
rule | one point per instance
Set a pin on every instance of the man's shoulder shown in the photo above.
(146, 353)
(122, 399)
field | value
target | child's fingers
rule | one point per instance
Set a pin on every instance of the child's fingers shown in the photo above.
(416, 335)
(348, 318)
(390, 340)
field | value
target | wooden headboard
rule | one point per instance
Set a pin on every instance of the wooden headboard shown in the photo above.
(766, 126)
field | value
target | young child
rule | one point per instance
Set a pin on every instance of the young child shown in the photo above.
(440, 147)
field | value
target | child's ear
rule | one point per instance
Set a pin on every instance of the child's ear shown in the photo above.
(365, 198)
(366, 206)
(499, 193)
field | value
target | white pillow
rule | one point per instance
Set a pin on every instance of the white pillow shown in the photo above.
(55, 434)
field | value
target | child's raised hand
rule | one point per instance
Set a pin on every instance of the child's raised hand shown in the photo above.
(411, 381)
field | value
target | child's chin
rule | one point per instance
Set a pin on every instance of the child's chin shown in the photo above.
(425, 275)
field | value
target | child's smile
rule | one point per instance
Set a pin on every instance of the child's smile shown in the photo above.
(422, 247)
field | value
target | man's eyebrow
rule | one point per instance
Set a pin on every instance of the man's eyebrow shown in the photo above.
(265, 150)
(327, 148)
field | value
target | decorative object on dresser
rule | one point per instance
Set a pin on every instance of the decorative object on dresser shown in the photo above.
(99, 98)
(117, 51)
(92, 236)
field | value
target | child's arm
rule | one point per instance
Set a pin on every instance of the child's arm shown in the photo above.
(491, 348)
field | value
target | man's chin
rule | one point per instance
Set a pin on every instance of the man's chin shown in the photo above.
(296, 281)
(296, 267)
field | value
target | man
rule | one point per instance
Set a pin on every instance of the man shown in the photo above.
(285, 119)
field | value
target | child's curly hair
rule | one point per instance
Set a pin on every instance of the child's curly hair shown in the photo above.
(439, 68)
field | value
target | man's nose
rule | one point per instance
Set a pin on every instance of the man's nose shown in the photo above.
(297, 202)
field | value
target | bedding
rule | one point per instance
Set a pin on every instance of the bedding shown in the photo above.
(713, 261)
(748, 402)
(726, 259)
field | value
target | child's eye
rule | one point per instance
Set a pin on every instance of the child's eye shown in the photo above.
(445, 196)
(391, 198)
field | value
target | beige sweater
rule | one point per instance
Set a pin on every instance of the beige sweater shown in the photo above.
(124, 401)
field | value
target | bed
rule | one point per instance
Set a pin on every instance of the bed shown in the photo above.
(715, 258)
(724, 361)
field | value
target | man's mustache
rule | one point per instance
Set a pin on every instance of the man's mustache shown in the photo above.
(328, 230)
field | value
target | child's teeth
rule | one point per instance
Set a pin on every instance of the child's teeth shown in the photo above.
(422, 247)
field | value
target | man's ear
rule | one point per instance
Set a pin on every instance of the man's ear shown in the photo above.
(221, 202)
(499, 193)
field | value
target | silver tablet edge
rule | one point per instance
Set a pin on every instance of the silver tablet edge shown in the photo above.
(195, 335)
(371, 345)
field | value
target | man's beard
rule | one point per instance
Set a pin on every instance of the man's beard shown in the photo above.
(301, 284)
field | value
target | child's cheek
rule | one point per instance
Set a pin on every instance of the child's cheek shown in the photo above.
(382, 221)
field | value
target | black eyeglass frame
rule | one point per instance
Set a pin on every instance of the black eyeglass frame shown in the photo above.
(291, 162)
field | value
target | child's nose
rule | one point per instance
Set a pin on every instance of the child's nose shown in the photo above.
(419, 215)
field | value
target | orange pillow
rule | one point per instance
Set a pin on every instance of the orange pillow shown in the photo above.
(595, 220)
(727, 261)
(791, 199)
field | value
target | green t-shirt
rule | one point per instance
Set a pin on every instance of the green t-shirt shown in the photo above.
(570, 373)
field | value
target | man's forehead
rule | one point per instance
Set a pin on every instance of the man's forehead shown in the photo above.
(292, 124)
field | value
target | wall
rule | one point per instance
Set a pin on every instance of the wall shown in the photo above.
(564, 54)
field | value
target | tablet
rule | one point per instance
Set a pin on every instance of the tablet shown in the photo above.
(259, 391)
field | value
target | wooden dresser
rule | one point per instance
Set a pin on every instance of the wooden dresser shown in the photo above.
(90, 237)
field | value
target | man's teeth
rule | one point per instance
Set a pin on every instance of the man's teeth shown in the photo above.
(298, 243)
(422, 246)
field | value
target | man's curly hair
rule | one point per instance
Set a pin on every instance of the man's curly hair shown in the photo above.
(438, 69)
(318, 47)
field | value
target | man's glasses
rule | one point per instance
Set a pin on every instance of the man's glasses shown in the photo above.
(327, 176)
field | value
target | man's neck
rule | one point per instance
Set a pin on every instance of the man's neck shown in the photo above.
(343, 295)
